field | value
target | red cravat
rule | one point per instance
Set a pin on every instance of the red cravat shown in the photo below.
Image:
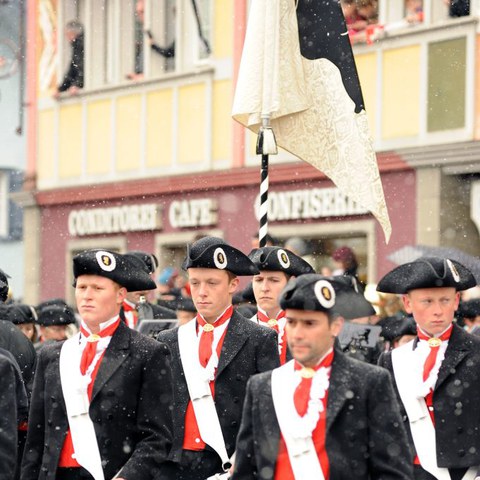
(302, 392)
(90, 349)
(271, 322)
(434, 344)
(128, 308)
(206, 340)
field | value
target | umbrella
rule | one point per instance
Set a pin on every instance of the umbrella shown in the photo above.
(409, 253)
(298, 78)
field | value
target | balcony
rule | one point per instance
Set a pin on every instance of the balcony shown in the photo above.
(419, 81)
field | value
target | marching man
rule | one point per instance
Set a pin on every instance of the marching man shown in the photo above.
(276, 267)
(136, 306)
(213, 356)
(322, 415)
(101, 401)
(437, 374)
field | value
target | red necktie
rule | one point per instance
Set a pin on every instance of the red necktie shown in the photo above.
(434, 344)
(90, 349)
(206, 340)
(302, 392)
(128, 308)
(271, 322)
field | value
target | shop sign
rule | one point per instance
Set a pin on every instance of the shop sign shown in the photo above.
(199, 212)
(308, 204)
(129, 218)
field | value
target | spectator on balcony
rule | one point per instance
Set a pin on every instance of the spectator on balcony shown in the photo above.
(458, 8)
(354, 21)
(73, 79)
(368, 9)
(414, 11)
(166, 52)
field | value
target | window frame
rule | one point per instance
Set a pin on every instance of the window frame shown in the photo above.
(114, 61)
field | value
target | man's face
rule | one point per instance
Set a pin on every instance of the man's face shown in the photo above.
(266, 288)
(28, 329)
(433, 308)
(53, 332)
(310, 335)
(211, 290)
(134, 297)
(98, 299)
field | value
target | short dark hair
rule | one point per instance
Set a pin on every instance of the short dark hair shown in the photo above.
(75, 26)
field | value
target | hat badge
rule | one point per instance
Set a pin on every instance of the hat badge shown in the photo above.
(455, 274)
(325, 294)
(106, 261)
(283, 258)
(219, 258)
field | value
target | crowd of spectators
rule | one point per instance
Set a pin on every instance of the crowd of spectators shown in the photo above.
(362, 17)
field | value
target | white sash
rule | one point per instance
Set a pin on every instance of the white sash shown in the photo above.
(198, 383)
(74, 387)
(421, 425)
(300, 447)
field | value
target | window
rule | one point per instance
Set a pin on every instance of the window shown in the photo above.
(136, 39)
(392, 12)
(4, 204)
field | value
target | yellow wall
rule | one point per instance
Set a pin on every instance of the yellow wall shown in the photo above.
(159, 128)
(222, 122)
(99, 143)
(46, 145)
(223, 28)
(127, 131)
(70, 141)
(401, 92)
(191, 124)
(367, 72)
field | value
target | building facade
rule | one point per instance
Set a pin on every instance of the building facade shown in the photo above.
(146, 156)
(13, 143)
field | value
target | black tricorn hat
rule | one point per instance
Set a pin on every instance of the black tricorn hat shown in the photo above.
(115, 266)
(247, 293)
(427, 272)
(213, 252)
(309, 292)
(3, 286)
(185, 305)
(350, 302)
(397, 326)
(469, 308)
(20, 313)
(54, 312)
(149, 259)
(276, 259)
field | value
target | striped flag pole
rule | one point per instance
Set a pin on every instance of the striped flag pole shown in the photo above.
(266, 146)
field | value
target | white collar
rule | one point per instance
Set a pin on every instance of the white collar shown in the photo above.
(103, 325)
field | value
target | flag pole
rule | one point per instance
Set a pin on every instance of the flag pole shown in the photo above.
(266, 145)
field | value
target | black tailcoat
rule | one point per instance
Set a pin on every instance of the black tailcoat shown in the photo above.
(455, 401)
(130, 408)
(365, 438)
(8, 417)
(247, 349)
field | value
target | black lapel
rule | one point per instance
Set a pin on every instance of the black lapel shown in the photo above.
(459, 346)
(57, 370)
(115, 354)
(235, 338)
(340, 387)
(269, 444)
